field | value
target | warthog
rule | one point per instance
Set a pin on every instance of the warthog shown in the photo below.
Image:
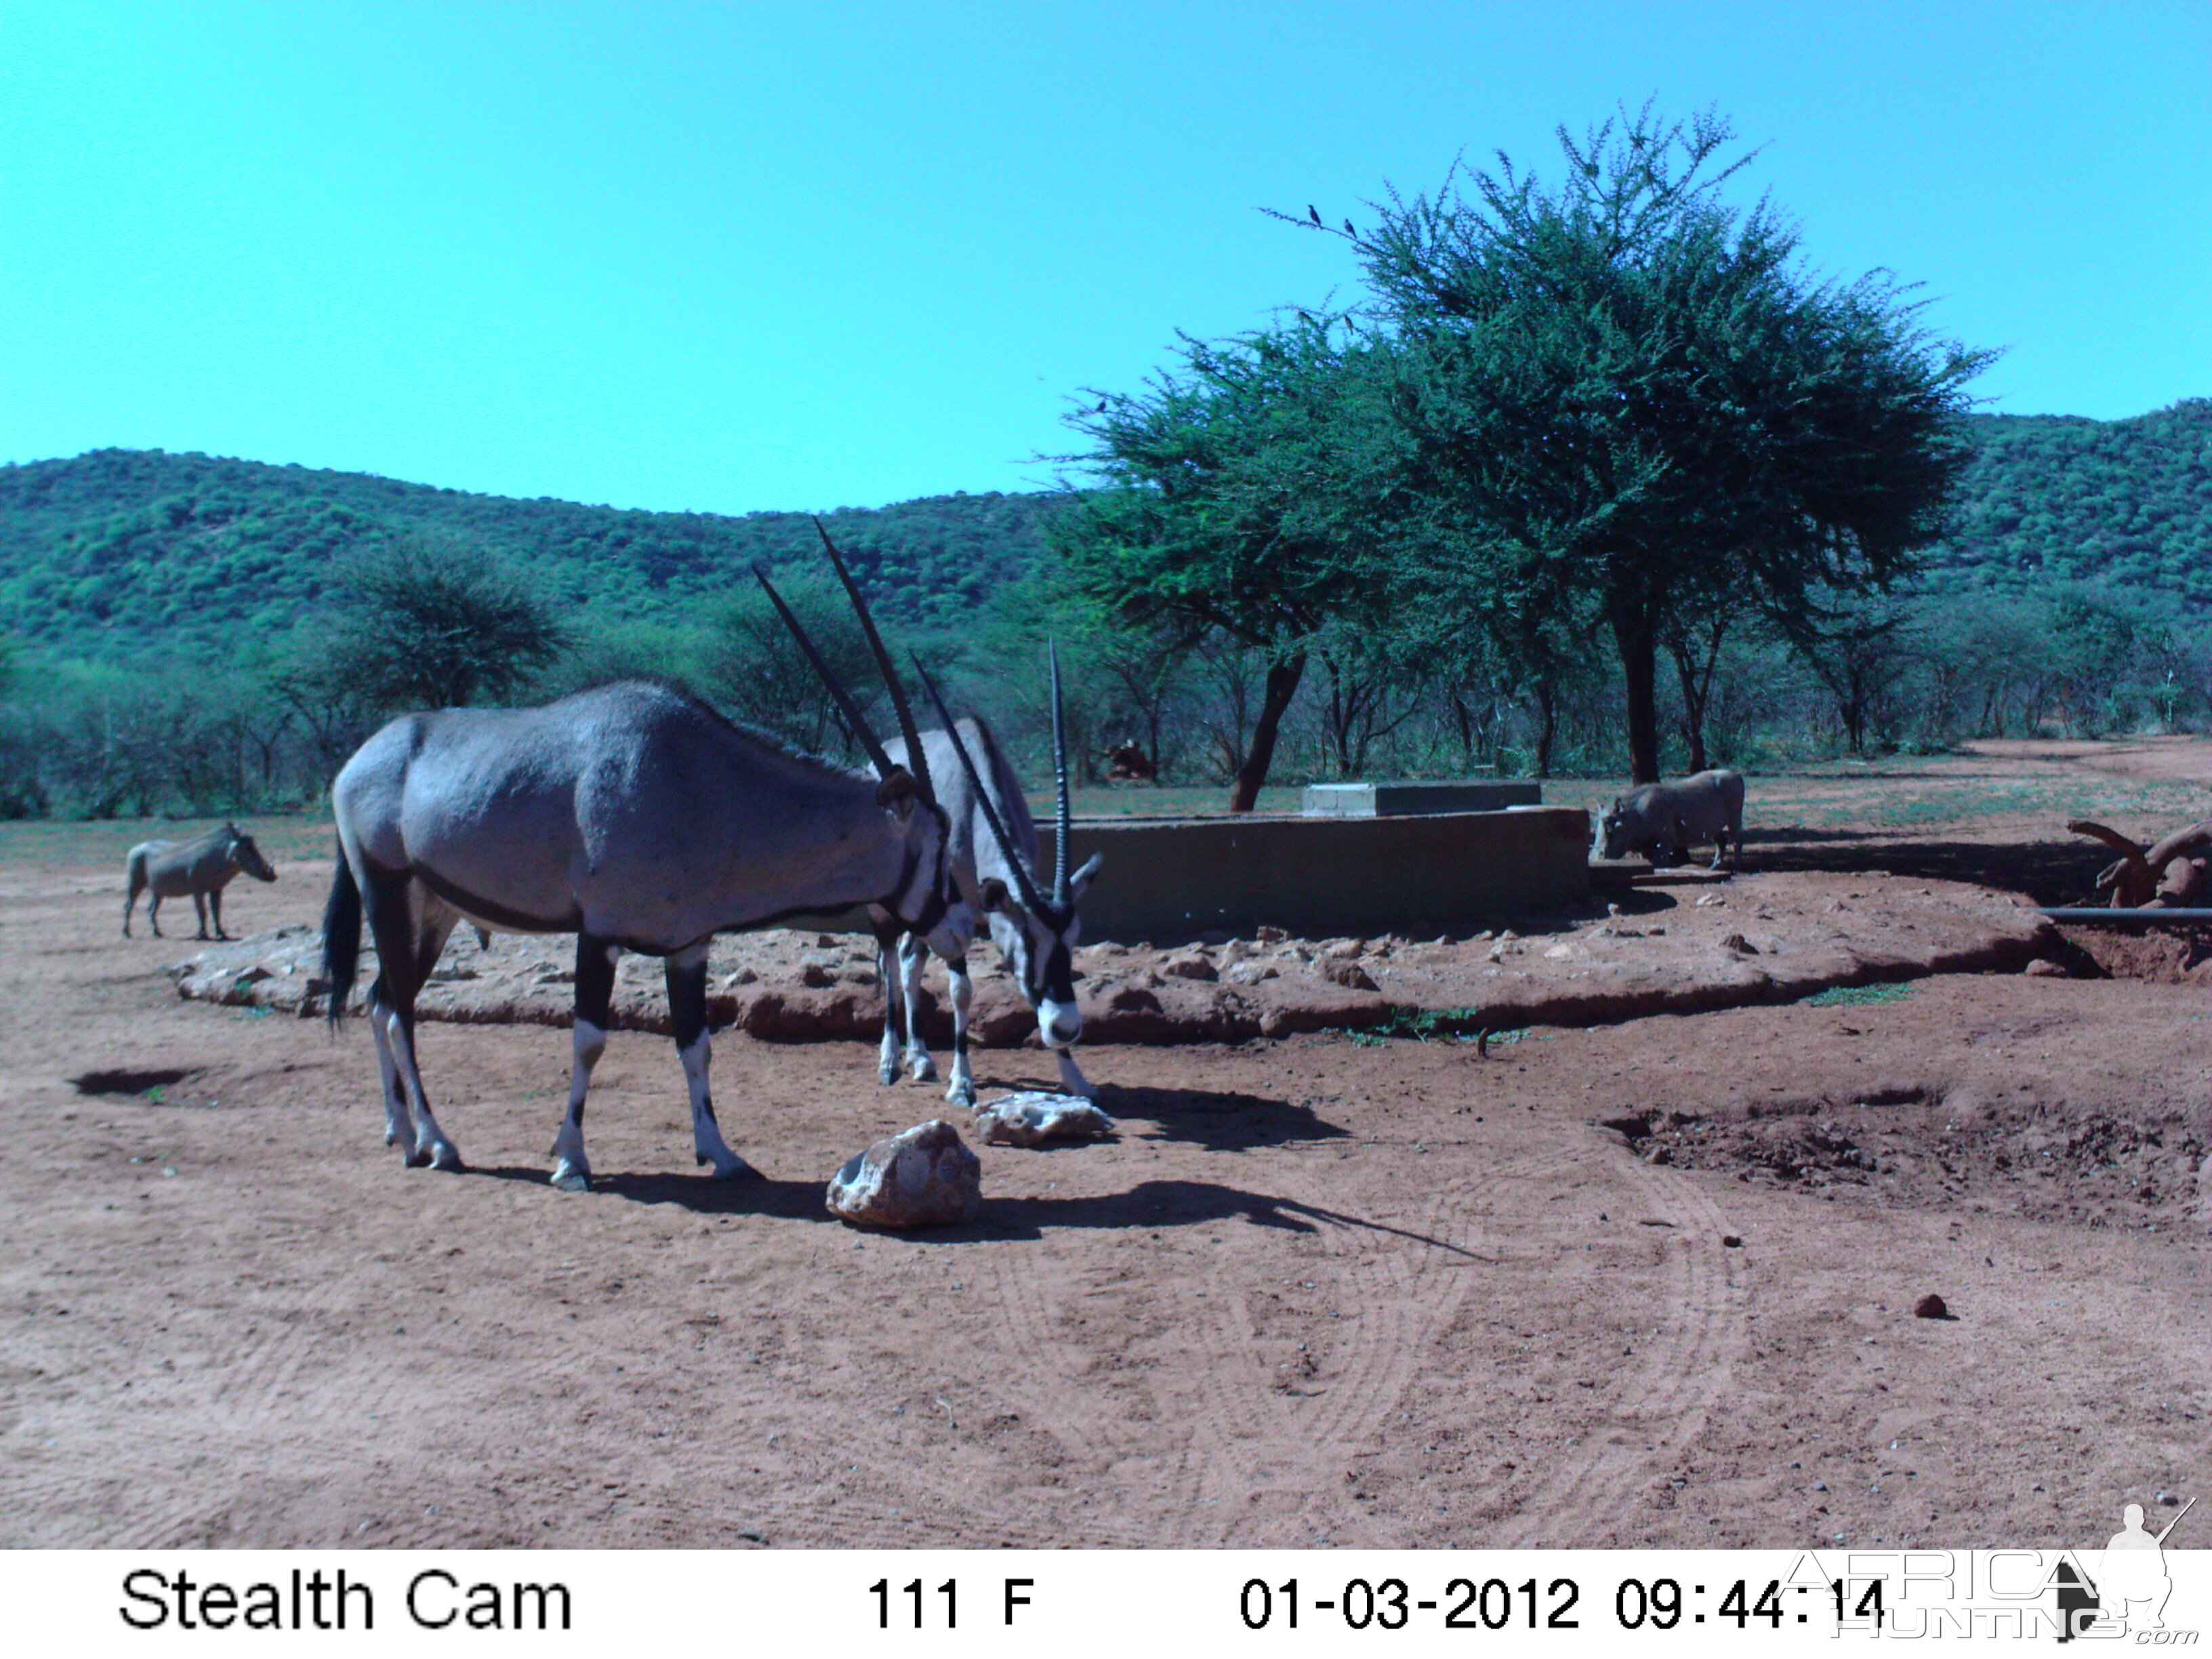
(1662, 821)
(202, 867)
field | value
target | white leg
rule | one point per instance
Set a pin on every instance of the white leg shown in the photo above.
(595, 986)
(887, 1053)
(687, 1008)
(920, 1066)
(706, 1133)
(430, 1144)
(962, 1090)
(398, 1121)
(572, 1170)
(1071, 1080)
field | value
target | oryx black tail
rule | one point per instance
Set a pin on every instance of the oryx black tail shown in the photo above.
(341, 938)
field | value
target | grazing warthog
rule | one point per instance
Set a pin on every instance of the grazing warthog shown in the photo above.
(202, 867)
(1662, 821)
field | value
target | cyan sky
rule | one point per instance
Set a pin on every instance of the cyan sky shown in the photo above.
(745, 256)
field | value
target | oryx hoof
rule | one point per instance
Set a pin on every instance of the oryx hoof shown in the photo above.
(888, 1072)
(572, 1177)
(438, 1155)
(735, 1168)
(962, 1093)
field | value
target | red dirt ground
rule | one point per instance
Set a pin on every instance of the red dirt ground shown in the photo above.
(1645, 1282)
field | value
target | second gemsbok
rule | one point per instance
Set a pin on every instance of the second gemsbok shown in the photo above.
(995, 865)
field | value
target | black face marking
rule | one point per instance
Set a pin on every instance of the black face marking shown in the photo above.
(1058, 980)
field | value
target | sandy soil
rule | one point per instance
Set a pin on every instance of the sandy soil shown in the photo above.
(1633, 1277)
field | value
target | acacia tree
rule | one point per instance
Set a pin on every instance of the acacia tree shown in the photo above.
(1622, 399)
(1247, 495)
(429, 624)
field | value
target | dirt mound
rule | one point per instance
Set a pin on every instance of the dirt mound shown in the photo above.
(2098, 1169)
(1667, 944)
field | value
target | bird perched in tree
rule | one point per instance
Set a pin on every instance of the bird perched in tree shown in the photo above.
(1313, 213)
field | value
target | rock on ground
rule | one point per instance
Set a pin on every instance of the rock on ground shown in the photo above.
(1032, 1118)
(926, 1177)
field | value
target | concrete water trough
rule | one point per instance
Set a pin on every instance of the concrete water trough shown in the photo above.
(1391, 800)
(1324, 876)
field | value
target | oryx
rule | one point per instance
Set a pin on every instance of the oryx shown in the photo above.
(202, 867)
(634, 816)
(994, 862)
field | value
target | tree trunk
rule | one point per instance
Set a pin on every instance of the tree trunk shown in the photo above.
(1282, 686)
(1464, 718)
(1697, 686)
(1632, 631)
(1547, 722)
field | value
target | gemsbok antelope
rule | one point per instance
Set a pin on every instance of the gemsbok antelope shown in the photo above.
(634, 816)
(993, 850)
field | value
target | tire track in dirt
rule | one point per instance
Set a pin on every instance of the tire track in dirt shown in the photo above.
(1395, 1286)
(1399, 1284)
(1675, 1386)
(1098, 1408)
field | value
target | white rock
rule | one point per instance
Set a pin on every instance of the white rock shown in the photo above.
(925, 1177)
(1032, 1118)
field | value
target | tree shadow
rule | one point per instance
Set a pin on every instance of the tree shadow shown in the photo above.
(2050, 873)
(1161, 1204)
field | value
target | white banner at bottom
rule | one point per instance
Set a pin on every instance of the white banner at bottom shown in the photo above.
(929, 1603)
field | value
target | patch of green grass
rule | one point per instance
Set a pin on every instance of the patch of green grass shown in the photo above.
(1838, 996)
(1431, 1025)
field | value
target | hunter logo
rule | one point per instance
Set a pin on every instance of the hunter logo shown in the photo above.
(2118, 1593)
(2129, 1594)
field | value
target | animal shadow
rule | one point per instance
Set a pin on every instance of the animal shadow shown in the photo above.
(1220, 1120)
(752, 1194)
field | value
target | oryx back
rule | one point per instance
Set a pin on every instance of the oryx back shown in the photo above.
(632, 812)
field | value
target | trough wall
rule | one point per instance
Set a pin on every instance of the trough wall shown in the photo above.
(1319, 877)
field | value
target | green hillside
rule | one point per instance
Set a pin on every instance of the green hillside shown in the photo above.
(2051, 500)
(116, 554)
(112, 553)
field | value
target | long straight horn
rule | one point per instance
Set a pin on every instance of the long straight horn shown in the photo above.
(846, 706)
(1023, 878)
(1059, 772)
(917, 763)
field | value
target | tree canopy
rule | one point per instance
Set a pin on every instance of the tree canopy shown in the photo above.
(1624, 403)
(423, 626)
(1248, 495)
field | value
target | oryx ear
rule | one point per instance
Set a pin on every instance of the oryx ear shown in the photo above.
(993, 893)
(1082, 879)
(896, 787)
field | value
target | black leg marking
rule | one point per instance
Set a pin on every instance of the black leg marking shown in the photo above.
(595, 996)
